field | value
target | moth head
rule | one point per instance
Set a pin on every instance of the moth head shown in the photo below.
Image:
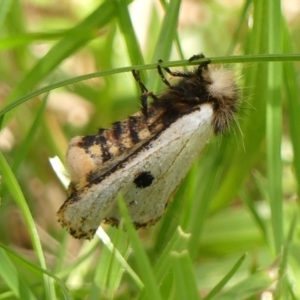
(224, 95)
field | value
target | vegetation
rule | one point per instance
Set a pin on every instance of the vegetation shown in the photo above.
(232, 230)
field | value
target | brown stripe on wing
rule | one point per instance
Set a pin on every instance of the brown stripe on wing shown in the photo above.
(117, 130)
(129, 132)
(95, 155)
(133, 128)
(104, 144)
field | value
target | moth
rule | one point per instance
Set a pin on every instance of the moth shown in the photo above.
(146, 156)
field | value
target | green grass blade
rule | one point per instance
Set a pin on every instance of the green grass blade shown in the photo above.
(72, 41)
(166, 37)
(132, 44)
(185, 283)
(247, 288)
(12, 278)
(145, 269)
(15, 191)
(177, 243)
(223, 282)
(24, 147)
(274, 123)
(64, 289)
(242, 20)
(201, 199)
(282, 278)
(111, 266)
(258, 219)
(167, 31)
(4, 9)
(133, 47)
(65, 271)
(113, 249)
(293, 96)
(252, 118)
(214, 60)
(27, 38)
(221, 205)
(177, 41)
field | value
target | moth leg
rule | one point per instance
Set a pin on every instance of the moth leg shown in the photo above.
(184, 75)
(175, 74)
(202, 65)
(178, 91)
(145, 93)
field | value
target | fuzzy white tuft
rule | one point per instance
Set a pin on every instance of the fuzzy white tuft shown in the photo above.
(223, 84)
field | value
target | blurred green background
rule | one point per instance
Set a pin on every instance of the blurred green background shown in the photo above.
(232, 231)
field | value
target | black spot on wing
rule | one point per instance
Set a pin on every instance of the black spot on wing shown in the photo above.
(143, 180)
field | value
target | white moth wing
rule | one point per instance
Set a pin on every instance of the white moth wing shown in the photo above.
(167, 158)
